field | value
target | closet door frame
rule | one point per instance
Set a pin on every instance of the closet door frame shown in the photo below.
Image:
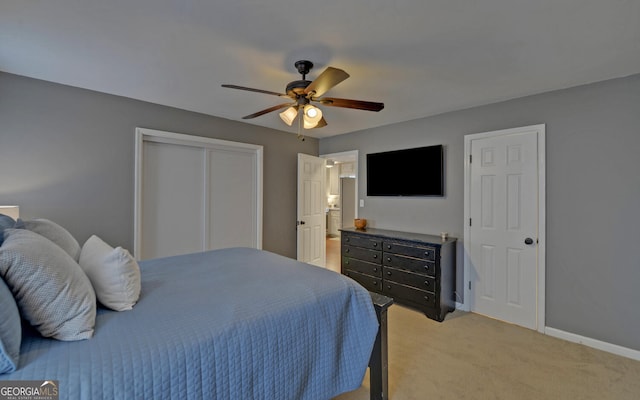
(143, 135)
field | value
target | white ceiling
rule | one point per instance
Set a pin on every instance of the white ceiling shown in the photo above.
(419, 57)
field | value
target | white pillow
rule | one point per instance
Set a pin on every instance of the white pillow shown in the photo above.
(114, 274)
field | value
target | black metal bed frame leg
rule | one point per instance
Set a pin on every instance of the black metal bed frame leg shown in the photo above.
(378, 363)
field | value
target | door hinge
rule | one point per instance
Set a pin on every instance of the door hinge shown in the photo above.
(470, 158)
(469, 221)
(469, 285)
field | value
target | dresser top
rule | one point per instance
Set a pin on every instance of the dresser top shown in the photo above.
(418, 237)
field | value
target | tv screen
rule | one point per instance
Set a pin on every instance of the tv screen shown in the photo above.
(409, 172)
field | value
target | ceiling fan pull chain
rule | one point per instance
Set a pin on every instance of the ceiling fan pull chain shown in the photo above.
(300, 135)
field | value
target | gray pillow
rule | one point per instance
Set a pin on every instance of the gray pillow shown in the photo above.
(10, 331)
(6, 222)
(53, 232)
(50, 288)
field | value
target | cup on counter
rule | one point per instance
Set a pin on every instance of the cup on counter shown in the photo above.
(444, 236)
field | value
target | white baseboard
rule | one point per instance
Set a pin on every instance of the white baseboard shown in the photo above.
(587, 341)
(596, 344)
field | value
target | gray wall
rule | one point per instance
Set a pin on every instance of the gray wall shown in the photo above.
(67, 154)
(593, 196)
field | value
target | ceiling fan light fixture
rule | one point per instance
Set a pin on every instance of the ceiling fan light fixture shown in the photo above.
(312, 115)
(289, 115)
(308, 125)
(312, 112)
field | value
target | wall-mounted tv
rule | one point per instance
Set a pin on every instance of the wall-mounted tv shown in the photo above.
(409, 172)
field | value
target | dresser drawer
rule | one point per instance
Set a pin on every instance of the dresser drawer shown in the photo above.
(361, 242)
(410, 264)
(402, 292)
(362, 266)
(374, 256)
(369, 282)
(426, 253)
(427, 283)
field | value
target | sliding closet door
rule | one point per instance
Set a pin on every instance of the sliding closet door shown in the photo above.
(173, 200)
(195, 194)
(232, 199)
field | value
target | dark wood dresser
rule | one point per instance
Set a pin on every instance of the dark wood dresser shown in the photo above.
(414, 269)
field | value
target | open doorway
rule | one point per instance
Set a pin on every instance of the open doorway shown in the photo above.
(342, 201)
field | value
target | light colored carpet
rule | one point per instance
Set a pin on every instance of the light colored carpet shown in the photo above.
(473, 357)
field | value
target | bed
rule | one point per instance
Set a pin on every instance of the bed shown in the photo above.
(234, 323)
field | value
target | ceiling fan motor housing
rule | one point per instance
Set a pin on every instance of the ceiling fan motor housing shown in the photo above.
(296, 88)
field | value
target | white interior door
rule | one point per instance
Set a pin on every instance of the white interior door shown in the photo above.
(312, 203)
(503, 236)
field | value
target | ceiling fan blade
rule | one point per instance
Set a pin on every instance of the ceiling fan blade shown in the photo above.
(321, 123)
(254, 90)
(347, 103)
(325, 81)
(268, 110)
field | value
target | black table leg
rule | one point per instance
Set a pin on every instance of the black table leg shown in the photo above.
(378, 363)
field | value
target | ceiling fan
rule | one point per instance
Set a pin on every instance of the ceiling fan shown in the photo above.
(302, 93)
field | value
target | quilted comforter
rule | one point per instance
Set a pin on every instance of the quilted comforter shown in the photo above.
(226, 324)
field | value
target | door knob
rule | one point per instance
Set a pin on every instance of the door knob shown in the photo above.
(528, 241)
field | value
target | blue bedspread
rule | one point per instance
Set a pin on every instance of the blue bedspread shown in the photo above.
(226, 324)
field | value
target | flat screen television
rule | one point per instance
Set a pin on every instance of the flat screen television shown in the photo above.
(409, 172)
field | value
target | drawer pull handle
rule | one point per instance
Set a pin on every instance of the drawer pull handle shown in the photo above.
(347, 262)
(426, 267)
(389, 287)
(426, 298)
(426, 253)
(347, 250)
(389, 246)
(375, 244)
(389, 273)
(375, 256)
(375, 270)
(346, 240)
(426, 283)
(375, 283)
(389, 259)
